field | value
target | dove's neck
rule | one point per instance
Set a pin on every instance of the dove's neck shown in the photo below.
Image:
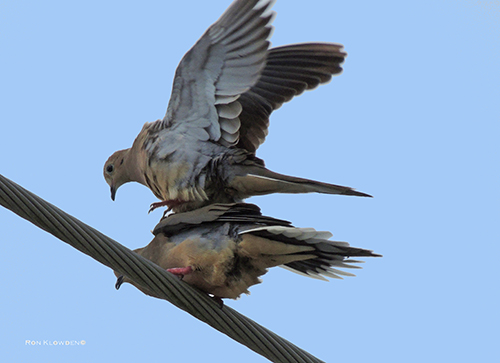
(133, 165)
(136, 157)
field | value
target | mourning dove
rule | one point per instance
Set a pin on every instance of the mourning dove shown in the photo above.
(222, 249)
(224, 90)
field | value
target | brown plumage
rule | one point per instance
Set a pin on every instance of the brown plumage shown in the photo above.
(223, 249)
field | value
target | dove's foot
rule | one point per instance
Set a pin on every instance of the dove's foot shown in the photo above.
(166, 203)
(218, 300)
(153, 206)
(180, 271)
(119, 282)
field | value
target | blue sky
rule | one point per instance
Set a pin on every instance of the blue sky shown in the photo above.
(413, 120)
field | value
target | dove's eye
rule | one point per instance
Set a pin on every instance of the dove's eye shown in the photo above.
(110, 168)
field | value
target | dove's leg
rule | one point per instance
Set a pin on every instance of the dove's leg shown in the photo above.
(153, 206)
(180, 271)
(165, 203)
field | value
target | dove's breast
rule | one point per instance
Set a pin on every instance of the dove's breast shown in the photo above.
(173, 169)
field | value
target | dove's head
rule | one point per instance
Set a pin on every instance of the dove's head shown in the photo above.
(116, 171)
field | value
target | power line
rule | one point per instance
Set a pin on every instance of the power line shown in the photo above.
(150, 276)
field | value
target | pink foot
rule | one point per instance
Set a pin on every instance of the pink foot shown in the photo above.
(169, 203)
(180, 271)
(153, 206)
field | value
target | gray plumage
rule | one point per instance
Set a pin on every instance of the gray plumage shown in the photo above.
(225, 88)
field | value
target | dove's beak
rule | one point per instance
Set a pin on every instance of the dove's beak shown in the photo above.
(119, 282)
(113, 193)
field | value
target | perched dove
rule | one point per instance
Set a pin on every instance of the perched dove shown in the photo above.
(224, 90)
(222, 249)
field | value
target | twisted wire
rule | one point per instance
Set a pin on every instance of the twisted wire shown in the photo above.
(147, 274)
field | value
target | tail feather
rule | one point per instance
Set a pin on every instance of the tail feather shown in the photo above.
(261, 181)
(305, 251)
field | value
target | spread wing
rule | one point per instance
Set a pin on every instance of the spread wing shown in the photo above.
(289, 71)
(225, 63)
(229, 83)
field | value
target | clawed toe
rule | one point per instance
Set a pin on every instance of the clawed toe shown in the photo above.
(119, 282)
(217, 300)
(153, 206)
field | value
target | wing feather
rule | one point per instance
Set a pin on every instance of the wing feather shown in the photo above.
(223, 64)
